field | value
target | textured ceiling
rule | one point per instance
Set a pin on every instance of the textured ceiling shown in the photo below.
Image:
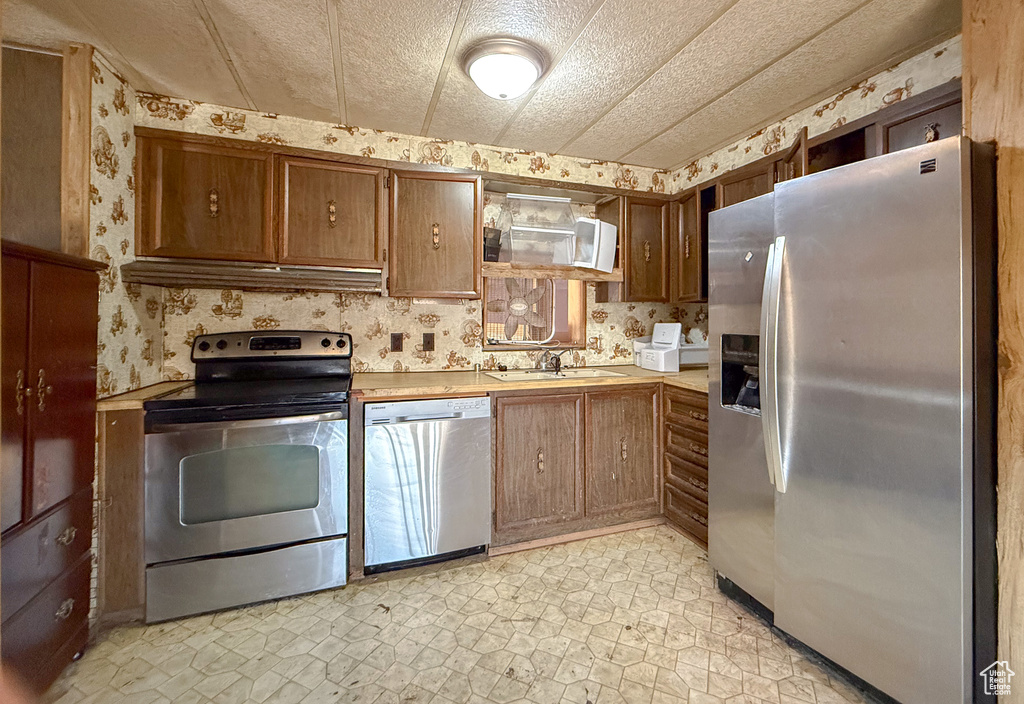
(649, 83)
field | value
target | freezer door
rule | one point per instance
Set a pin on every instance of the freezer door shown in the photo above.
(740, 496)
(874, 380)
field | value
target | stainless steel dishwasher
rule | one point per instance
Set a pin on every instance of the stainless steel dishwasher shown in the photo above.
(427, 480)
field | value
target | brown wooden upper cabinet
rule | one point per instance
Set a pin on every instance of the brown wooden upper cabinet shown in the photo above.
(686, 275)
(330, 213)
(621, 461)
(204, 202)
(794, 163)
(436, 243)
(745, 183)
(646, 239)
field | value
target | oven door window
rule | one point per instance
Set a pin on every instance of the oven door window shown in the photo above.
(236, 482)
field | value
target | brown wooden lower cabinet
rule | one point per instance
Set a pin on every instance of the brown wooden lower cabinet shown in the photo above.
(685, 461)
(49, 421)
(566, 462)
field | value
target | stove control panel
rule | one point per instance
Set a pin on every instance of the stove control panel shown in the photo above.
(263, 344)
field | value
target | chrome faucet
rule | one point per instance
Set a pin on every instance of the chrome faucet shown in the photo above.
(551, 361)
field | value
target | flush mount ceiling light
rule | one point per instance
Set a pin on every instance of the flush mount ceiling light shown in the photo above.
(504, 68)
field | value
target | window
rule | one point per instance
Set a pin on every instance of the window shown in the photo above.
(522, 313)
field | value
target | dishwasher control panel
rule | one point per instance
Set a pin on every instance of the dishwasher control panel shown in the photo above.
(439, 409)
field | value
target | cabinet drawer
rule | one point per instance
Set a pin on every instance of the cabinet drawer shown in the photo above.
(43, 551)
(34, 635)
(688, 477)
(687, 444)
(686, 408)
(687, 513)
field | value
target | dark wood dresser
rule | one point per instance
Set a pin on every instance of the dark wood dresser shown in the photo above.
(49, 310)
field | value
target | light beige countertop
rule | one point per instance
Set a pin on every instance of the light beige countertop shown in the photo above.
(374, 385)
(377, 385)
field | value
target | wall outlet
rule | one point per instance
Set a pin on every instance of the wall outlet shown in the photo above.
(396, 342)
(428, 342)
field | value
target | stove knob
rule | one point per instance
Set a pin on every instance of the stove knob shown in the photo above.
(325, 342)
(222, 344)
(341, 343)
(203, 346)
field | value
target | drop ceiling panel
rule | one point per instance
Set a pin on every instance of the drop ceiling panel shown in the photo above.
(830, 61)
(392, 51)
(463, 111)
(168, 44)
(626, 40)
(283, 58)
(752, 34)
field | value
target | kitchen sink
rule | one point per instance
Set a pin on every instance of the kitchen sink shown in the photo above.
(543, 374)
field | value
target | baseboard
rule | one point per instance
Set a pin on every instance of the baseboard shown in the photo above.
(573, 537)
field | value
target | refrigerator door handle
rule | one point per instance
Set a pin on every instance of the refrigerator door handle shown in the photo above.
(763, 370)
(768, 372)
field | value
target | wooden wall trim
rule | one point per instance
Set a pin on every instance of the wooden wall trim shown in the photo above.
(76, 130)
(993, 44)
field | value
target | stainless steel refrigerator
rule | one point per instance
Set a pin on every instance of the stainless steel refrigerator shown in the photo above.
(851, 411)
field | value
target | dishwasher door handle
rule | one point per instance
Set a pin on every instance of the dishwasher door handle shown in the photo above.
(416, 419)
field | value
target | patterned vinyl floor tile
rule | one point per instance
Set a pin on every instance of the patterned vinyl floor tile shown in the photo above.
(629, 618)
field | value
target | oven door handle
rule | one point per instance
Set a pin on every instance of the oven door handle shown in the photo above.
(254, 423)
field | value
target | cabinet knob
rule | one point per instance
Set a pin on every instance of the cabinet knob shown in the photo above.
(214, 202)
(64, 612)
(42, 391)
(435, 232)
(647, 251)
(332, 214)
(67, 536)
(540, 461)
(21, 392)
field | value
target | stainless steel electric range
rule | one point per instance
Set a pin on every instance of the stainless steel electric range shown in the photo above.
(246, 474)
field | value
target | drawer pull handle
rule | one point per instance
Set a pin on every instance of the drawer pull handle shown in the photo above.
(42, 391)
(698, 449)
(697, 483)
(64, 612)
(647, 251)
(332, 214)
(696, 415)
(435, 235)
(623, 449)
(21, 392)
(214, 202)
(67, 536)
(686, 246)
(699, 518)
(540, 461)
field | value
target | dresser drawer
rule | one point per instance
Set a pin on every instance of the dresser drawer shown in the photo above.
(687, 513)
(686, 408)
(42, 630)
(42, 551)
(687, 477)
(686, 443)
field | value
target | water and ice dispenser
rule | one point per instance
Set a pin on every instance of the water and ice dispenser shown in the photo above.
(740, 384)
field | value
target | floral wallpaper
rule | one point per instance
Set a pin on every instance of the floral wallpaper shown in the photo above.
(203, 118)
(929, 69)
(129, 315)
(371, 319)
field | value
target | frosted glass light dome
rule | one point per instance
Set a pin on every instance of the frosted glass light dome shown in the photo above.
(504, 69)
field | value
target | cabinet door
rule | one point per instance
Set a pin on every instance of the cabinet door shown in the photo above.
(204, 202)
(538, 462)
(331, 214)
(647, 247)
(937, 122)
(794, 163)
(622, 451)
(15, 387)
(746, 183)
(62, 373)
(687, 251)
(436, 235)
